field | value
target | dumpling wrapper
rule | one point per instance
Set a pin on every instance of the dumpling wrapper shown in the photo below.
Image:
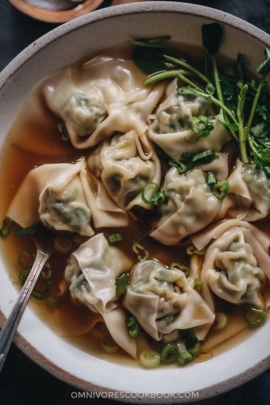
(62, 196)
(169, 125)
(92, 272)
(249, 194)
(190, 203)
(236, 262)
(104, 96)
(162, 300)
(126, 164)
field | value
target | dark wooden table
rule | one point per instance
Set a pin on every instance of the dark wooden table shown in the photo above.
(24, 383)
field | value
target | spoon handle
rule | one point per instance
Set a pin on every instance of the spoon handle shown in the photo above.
(11, 325)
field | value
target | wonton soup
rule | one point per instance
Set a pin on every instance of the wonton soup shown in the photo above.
(152, 174)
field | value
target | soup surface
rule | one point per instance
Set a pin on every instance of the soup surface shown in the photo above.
(161, 227)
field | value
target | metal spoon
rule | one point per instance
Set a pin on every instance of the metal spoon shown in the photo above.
(45, 247)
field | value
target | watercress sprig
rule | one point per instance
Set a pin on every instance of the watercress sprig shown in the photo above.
(243, 106)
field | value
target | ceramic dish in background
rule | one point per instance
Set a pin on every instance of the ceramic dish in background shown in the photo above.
(68, 44)
(61, 16)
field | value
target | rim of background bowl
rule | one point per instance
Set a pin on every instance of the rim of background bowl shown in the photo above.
(42, 42)
(55, 16)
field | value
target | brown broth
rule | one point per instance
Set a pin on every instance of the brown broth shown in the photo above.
(34, 140)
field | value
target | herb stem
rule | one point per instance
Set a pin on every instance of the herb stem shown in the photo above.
(187, 66)
(254, 105)
(217, 80)
(178, 74)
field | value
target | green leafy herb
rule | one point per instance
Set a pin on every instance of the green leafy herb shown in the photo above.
(242, 105)
(149, 60)
(211, 37)
(201, 125)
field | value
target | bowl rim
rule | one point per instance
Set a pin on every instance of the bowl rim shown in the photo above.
(45, 40)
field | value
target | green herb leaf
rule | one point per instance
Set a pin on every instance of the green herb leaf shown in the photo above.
(200, 125)
(233, 127)
(149, 60)
(211, 37)
(264, 67)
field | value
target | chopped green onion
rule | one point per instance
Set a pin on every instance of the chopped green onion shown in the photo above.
(169, 353)
(196, 349)
(137, 247)
(121, 284)
(255, 317)
(183, 268)
(204, 157)
(220, 321)
(211, 179)
(220, 189)
(116, 237)
(189, 337)
(158, 196)
(131, 321)
(109, 346)
(200, 158)
(132, 326)
(198, 284)
(184, 358)
(149, 359)
(6, 227)
(134, 331)
(30, 257)
(180, 166)
(28, 230)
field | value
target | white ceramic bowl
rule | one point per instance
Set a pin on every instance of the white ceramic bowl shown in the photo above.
(71, 42)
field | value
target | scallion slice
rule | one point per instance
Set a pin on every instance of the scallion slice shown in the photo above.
(211, 179)
(220, 321)
(114, 238)
(255, 317)
(220, 189)
(108, 345)
(169, 353)
(149, 359)
(142, 253)
(198, 284)
(184, 358)
(132, 326)
(158, 196)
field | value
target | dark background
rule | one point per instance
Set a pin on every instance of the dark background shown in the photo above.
(24, 383)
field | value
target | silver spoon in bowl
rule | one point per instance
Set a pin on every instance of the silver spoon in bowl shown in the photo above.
(44, 239)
